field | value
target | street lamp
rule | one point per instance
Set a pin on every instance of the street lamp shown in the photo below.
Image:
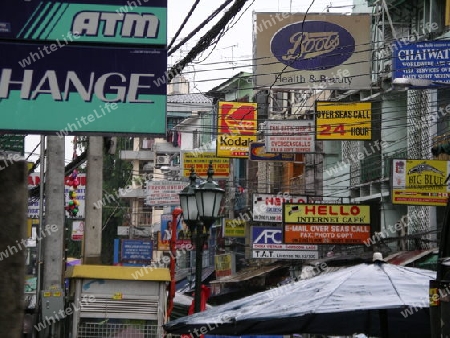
(200, 207)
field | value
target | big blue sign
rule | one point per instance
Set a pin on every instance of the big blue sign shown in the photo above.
(267, 235)
(426, 63)
(136, 250)
(110, 21)
(312, 45)
(82, 90)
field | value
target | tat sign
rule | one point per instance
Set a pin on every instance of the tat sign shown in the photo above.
(420, 182)
(343, 120)
(269, 208)
(326, 223)
(267, 242)
(290, 136)
(237, 127)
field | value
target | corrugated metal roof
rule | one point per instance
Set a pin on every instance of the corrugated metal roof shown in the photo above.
(188, 98)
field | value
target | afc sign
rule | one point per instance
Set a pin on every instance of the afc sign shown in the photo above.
(267, 235)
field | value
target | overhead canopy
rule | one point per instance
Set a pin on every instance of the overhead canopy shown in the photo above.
(366, 298)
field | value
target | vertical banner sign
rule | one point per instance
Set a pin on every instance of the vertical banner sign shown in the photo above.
(325, 51)
(290, 136)
(343, 120)
(326, 223)
(76, 67)
(237, 127)
(420, 182)
(223, 265)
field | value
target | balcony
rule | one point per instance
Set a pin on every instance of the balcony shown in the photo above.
(143, 218)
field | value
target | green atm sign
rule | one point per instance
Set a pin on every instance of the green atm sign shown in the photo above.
(12, 143)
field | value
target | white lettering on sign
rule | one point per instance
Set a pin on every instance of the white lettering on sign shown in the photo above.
(268, 236)
(131, 24)
(125, 90)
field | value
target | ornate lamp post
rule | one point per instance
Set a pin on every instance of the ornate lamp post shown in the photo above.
(200, 207)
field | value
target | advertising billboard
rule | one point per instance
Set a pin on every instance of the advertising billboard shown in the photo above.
(97, 21)
(420, 182)
(82, 90)
(234, 228)
(425, 63)
(200, 162)
(163, 193)
(258, 153)
(343, 120)
(237, 127)
(267, 242)
(269, 207)
(290, 136)
(326, 223)
(309, 51)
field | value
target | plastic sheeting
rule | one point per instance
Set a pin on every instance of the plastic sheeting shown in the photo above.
(366, 298)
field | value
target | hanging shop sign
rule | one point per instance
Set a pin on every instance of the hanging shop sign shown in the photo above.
(258, 153)
(97, 21)
(312, 51)
(235, 228)
(343, 120)
(420, 182)
(289, 136)
(200, 162)
(237, 127)
(267, 242)
(425, 63)
(163, 193)
(269, 207)
(326, 223)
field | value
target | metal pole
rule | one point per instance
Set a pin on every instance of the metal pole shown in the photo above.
(198, 266)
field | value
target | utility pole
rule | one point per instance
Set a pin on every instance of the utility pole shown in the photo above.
(13, 210)
(52, 236)
(92, 239)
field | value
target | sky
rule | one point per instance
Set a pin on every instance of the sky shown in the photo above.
(232, 54)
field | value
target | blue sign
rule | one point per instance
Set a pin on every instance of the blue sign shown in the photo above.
(258, 153)
(312, 45)
(426, 63)
(72, 89)
(110, 21)
(267, 235)
(136, 250)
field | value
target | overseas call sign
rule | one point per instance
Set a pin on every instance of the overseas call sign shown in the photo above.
(326, 223)
(343, 121)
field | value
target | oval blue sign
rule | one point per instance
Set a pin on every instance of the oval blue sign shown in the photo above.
(312, 45)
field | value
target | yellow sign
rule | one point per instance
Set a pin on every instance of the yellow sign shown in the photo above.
(200, 162)
(234, 228)
(237, 127)
(223, 265)
(326, 213)
(118, 295)
(420, 182)
(343, 121)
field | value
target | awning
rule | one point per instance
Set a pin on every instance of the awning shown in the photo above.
(405, 258)
(249, 273)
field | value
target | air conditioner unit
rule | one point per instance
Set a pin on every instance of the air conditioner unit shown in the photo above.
(162, 160)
